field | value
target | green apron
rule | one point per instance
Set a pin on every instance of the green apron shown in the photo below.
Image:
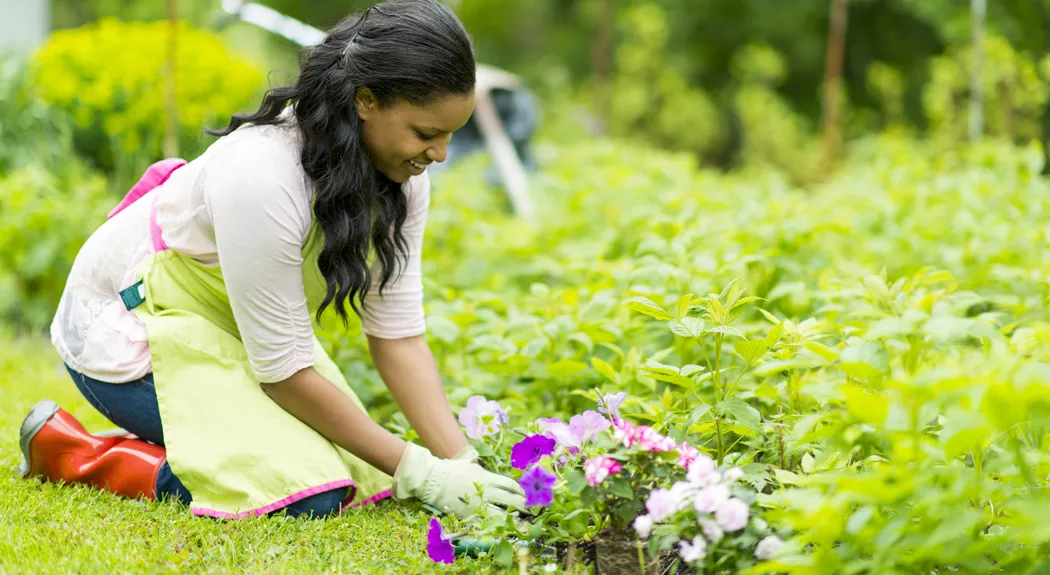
(237, 451)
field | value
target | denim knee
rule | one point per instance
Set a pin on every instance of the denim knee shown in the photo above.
(324, 504)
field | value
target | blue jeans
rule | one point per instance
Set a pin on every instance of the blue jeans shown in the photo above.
(133, 406)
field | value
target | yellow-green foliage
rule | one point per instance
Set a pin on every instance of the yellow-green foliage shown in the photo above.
(1014, 92)
(111, 76)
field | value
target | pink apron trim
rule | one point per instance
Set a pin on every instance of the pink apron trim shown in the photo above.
(201, 511)
(373, 499)
(155, 175)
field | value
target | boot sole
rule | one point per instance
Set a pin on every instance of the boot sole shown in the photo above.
(35, 420)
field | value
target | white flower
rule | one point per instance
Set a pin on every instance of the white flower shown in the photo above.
(734, 474)
(768, 548)
(711, 530)
(550, 567)
(700, 469)
(643, 524)
(694, 551)
(732, 515)
(709, 499)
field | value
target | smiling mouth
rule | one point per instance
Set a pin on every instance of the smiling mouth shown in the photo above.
(417, 165)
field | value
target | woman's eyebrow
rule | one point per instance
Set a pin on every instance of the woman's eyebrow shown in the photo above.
(434, 131)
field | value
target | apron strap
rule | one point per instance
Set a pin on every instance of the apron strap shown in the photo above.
(155, 175)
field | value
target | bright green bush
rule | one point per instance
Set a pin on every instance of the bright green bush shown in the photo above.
(110, 76)
(45, 217)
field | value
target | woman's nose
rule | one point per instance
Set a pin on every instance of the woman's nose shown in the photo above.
(439, 151)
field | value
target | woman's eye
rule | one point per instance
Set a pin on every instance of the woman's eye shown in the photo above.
(424, 137)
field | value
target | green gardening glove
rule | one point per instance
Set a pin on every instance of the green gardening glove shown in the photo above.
(448, 484)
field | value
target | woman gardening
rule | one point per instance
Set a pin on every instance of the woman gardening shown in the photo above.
(187, 318)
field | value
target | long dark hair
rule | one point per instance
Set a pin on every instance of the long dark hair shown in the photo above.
(415, 50)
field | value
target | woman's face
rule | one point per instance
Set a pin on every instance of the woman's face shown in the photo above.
(402, 139)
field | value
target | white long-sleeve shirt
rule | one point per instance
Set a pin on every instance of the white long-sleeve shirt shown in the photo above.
(244, 205)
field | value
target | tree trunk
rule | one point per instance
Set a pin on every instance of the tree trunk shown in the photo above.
(833, 81)
(976, 78)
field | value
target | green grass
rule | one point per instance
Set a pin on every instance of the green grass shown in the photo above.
(49, 528)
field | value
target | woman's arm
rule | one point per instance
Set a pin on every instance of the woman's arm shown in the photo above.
(408, 368)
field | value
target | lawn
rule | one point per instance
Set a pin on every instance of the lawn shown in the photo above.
(47, 528)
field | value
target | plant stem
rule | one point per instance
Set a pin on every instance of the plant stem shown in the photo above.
(641, 557)
(718, 431)
(717, 372)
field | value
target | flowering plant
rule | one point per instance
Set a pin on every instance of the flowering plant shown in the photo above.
(598, 475)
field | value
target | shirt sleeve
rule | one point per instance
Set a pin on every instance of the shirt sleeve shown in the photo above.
(398, 313)
(260, 212)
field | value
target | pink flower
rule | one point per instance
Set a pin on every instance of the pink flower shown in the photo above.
(732, 515)
(768, 548)
(643, 436)
(663, 503)
(587, 424)
(702, 470)
(596, 469)
(687, 454)
(482, 417)
(643, 524)
(694, 551)
(711, 498)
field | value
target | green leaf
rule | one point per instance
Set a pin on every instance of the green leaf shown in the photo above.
(750, 351)
(823, 351)
(620, 487)
(864, 361)
(673, 378)
(688, 327)
(565, 368)
(504, 553)
(877, 287)
(646, 306)
(785, 477)
(684, 304)
(859, 519)
(575, 481)
(727, 330)
(738, 410)
(698, 413)
(774, 335)
(865, 406)
(605, 369)
(757, 475)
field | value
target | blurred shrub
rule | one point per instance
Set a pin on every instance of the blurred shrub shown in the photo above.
(773, 136)
(652, 97)
(1014, 93)
(110, 76)
(30, 129)
(45, 216)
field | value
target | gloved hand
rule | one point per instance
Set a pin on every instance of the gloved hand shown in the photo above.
(468, 453)
(448, 484)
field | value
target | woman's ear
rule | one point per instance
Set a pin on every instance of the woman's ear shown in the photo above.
(366, 104)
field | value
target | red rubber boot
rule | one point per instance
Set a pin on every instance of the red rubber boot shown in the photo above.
(56, 447)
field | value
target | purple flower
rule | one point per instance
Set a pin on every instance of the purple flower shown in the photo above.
(610, 404)
(538, 484)
(530, 450)
(587, 424)
(439, 547)
(482, 417)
